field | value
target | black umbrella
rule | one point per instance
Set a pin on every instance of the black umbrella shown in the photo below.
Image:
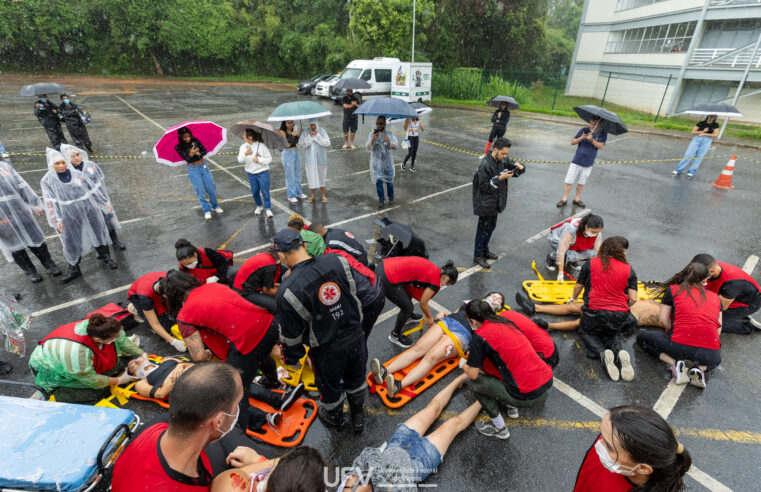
(350, 83)
(719, 109)
(43, 88)
(611, 122)
(495, 101)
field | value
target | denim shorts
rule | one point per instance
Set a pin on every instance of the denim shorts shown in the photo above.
(461, 332)
(424, 456)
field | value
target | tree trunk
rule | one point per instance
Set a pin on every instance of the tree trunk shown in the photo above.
(159, 71)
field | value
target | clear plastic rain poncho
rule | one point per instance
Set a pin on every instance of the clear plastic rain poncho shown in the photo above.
(75, 210)
(95, 174)
(381, 159)
(14, 319)
(18, 229)
(315, 155)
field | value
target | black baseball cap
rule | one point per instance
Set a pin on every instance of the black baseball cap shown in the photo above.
(286, 240)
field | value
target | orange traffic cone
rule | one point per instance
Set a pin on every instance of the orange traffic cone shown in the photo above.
(725, 178)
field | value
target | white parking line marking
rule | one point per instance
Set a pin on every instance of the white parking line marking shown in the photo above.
(750, 264)
(546, 231)
(666, 402)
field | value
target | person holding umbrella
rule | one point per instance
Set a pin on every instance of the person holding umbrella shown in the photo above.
(588, 140)
(703, 132)
(381, 143)
(316, 158)
(72, 116)
(256, 158)
(292, 161)
(47, 114)
(193, 151)
(499, 125)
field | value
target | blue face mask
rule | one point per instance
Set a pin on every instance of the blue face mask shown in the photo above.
(66, 101)
(43, 99)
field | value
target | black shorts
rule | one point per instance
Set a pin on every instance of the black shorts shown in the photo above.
(350, 124)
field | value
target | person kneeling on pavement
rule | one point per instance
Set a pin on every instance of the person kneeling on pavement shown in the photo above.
(78, 362)
(574, 241)
(503, 367)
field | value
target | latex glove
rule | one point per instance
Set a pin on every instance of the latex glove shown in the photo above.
(178, 345)
(242, 456)
(143, 356)
(561, 276)
(212, 280)
(571, 300)
(126, 377)
(462, 363)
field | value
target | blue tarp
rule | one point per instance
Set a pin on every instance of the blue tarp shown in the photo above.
(53, 446)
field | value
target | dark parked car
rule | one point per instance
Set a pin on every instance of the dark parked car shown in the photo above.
(306, 86)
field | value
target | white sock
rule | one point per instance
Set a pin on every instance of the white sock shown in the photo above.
(498, 422)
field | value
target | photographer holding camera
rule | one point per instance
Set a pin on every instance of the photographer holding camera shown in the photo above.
(490, 196)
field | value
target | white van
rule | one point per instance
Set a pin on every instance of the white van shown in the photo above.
(377, 72)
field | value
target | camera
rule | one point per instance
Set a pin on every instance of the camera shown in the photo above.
(517, 171)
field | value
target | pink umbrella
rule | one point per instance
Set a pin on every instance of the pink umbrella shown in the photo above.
(211, 135)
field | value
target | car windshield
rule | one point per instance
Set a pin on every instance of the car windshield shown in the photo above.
(351, 73)
(332, 79)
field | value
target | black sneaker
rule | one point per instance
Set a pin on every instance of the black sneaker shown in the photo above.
(412, 168)
(274, 419)
(481, 261)
(379, 372)
(267, 382)
(416, 316)
(290, 397)
(572, 265)
(551, 264)
(400, 339)
(491, 256)
(332, 418)
(404, 166)
(380, 205)
(526, 304)
(541, 323)
(754, 323)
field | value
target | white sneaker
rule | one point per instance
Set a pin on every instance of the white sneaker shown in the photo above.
(269, 213)
(512, 412)
(609, 361)
(207, 215)
(4, 155)
(293, 200)
(627, 371)
(679, 371)
(754, 322)
(697, 378)
(258, 210)
(302, 196)
(218, 209)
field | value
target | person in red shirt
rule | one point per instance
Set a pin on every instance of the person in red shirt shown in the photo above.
(740, 294)
(170, 457)
(258, 279)
(692, 317)
(146, 300)
(412, 277)
(636, 448)
(538, 337)
(504, 368)
(610, 287)
(206, 264)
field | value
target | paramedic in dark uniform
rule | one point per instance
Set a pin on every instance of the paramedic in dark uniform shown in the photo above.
(336, 238)
(258, 278)
(47, 114)
(739, 293)
(318, 306)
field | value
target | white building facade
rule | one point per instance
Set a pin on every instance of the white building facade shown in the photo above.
(666, 56)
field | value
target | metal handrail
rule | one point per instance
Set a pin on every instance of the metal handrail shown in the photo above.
(725, 57)
(721, 3)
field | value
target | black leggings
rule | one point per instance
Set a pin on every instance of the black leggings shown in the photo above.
(734, 320)
(262, 300)
(371, 312)
(601, 330)
(656, 343)
(497, 132)
(412, 152)
(396, 294)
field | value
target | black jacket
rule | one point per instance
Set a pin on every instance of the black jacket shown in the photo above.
(184, 150)
(489, 193)
(70, 114)
(45, 114)
(337, 238)
(317, 306)
(502, 119)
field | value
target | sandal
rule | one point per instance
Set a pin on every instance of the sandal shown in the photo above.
(345, 146)
(561, 203)
(310, 200)
(579, 203)
(324, 199)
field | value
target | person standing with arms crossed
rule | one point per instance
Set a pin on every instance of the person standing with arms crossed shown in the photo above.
(490, 196)
(589, 140)
(350, 121)
(318, 306)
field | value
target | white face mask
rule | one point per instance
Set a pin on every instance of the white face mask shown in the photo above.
(612, 465)
(232, 424)
(589, 234)
(192, 265)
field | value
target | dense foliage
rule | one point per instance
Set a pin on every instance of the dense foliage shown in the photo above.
(280, 37)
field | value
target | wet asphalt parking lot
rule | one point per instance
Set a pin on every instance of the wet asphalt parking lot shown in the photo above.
(667, 220)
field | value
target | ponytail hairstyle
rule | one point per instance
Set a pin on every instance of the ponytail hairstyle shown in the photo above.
(450, 271)
(296, 221)
(690, 277)
(103, 327)
(481, 311)
(705, 259)
(590, 220)
(178, 286)
(184, 249)
(160, 289)
(613, 247)
(649, 439)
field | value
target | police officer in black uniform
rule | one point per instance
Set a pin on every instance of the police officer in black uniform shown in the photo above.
(318, 306)
(72, 116)
(47, 114)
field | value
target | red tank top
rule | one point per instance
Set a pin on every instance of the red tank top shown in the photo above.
(730, 272)
(103, 359)
(527, 370)
(221, 314)
(697, 322)
(537, 337)
(252, 265)
(205, 267)
(142, 467)
(609, 288)
(359, 267)
(143, 286)
(593, 477)
(581, 243)
(414, 272)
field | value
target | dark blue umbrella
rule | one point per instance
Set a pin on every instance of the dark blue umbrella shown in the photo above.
(609, 120)
(388, 107)
(719, 109)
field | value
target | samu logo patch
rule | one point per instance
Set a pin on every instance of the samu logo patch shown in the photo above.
(330, 293)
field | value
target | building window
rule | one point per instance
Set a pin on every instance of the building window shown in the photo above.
(633, 4)
(668, 38)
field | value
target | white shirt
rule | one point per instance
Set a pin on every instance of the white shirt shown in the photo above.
(259, 150)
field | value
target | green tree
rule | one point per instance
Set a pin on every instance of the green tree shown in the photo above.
(385, 28)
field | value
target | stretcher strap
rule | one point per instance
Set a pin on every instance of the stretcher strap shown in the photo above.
(452, 337)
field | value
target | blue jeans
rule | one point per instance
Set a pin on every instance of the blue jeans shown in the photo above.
(260, 183)
(486, 226)
(292, 166)
(423, 454)
(2, 149)
(389, 189)
(203, 184)
(697, 149)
